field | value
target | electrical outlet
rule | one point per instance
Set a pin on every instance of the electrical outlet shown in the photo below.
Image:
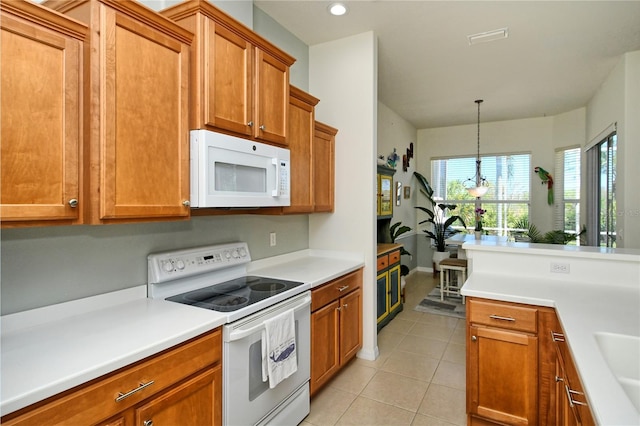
(272, 239)
(560, 268)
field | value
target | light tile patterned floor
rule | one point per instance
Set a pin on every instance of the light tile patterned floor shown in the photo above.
(418, 379)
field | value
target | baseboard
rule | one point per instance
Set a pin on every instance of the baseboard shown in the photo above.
(369, 355)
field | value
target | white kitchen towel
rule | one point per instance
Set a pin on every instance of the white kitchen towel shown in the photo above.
(279, 359)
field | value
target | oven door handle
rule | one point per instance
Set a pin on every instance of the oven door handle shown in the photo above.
(241, 333)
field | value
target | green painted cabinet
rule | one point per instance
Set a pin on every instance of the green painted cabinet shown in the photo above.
(388, 287)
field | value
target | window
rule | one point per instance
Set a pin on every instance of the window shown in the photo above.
(601, 188)
(567, 190)
(506, 203)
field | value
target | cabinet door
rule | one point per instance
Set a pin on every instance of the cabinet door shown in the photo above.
(325, 351)
(394, 287)
(228, 80)
(382, 285)
(144, 154)
(324, 168)
(196, 401)
(272, 98)
(40, 125)
(350, 325)
(502, 375)
(300, 142)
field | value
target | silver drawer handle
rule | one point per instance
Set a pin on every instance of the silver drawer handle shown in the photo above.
(343, 288)
(557, 337)
(572, 401)
(122, 396)
(498, 317)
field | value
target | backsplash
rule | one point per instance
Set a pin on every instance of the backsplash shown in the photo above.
(44, 266)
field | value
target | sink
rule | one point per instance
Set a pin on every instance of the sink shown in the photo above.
(622, 352)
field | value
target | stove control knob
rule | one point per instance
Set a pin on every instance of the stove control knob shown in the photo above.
(227, 254)
(167, 266)
(236, 255)
(243, 252)
(180, 264)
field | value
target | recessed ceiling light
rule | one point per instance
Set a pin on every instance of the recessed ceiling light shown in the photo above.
(488, 36)
(337, 9)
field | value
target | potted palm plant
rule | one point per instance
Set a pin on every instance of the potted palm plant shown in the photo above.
(395, 231)
(441, 228)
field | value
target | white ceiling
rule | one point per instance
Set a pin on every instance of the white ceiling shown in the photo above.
(556, 56)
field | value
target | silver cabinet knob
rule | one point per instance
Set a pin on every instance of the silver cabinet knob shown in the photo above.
(250, 124)
(148, 422)
(186, 203)
(263, 127)
(73, 203)
(474, 338)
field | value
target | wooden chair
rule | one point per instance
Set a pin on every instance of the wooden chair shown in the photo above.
(447, 286)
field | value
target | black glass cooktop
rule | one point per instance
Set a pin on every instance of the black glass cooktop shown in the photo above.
(235, 294)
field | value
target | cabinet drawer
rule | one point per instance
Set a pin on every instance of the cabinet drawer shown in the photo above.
(503, 315)
(383, 262)
(95, 401)
(394, 257)
(335, 289)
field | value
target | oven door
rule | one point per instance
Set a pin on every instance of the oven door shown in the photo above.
(247, 400)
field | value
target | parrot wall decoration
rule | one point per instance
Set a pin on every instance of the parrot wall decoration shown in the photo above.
(548, 179)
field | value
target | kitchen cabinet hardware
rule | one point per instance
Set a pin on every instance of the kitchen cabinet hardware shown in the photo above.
(498, 317)
(557, 337)
(570, 393)
(147, 423)
(343, 288)
(263, 127)
(73, 203)
(142, 386)
(474, 338)
(559, 379)
(250, 124)
(186, 203)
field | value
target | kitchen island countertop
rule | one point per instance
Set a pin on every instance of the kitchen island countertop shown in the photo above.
(48, 350)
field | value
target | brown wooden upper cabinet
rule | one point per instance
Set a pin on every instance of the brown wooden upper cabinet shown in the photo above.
(136, 124)
(301, 131)
(324, 159)
(41, 125)
(240, 81)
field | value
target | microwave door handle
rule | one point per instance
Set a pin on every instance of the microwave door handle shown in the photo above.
(276, 191)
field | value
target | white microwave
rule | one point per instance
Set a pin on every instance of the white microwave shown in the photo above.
(228, 172)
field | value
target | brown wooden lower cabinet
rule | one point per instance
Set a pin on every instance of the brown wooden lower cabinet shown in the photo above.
(336, 326)
(182, 385)
(517, 367)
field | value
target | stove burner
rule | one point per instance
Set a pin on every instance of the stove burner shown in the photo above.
(230, 303)
(235, 294)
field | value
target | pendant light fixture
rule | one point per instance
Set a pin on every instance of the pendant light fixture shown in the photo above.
(481, 185)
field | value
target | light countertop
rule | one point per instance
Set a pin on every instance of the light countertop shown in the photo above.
(49, 350)
(584, 306)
